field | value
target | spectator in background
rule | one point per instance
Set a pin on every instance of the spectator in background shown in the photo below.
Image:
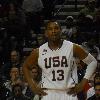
(30, 40)
(96, 96)
(97, 26)
(15, 22)
(15, 61)
(80, 21)
(17, 93)
(97, 85)
(70, 28)
(21, 74)
(89, 9)
(80, 35)
(4, 92)
(14, 78)
(13, 43)
(85, 27)
(36, 76)
(33, 12)
(89, 26)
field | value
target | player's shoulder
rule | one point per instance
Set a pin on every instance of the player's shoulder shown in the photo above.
(43, 45)
(67, 42)
(36, 50)
(79, 51)
(77, 47)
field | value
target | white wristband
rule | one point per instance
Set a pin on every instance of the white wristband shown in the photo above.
(89, 59)
(90, 69)
(92, 64)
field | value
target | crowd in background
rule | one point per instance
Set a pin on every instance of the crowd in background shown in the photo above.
(20, 30)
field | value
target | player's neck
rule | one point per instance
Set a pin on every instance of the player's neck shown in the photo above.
(55, 45)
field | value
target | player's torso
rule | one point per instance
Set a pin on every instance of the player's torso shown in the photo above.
(55, 64)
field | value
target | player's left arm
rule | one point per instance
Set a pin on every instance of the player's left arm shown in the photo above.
(88, 59)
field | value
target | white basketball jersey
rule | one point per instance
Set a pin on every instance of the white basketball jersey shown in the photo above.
(58, 68)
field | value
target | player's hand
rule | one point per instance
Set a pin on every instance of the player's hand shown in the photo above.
(77, 88)
(40, 91)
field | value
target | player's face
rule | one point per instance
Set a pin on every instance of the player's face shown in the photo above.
(53, 31)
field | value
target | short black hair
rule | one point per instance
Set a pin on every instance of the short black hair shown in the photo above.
(52, 20)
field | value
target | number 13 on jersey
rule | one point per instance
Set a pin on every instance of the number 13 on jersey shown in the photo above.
(58, 75)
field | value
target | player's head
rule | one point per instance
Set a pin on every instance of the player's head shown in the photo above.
(53, 30)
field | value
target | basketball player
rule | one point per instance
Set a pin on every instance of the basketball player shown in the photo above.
(56, 59)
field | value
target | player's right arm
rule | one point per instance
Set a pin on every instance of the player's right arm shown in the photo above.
(31, 61)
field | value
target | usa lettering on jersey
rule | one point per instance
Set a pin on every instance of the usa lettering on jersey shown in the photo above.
(57, 62)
